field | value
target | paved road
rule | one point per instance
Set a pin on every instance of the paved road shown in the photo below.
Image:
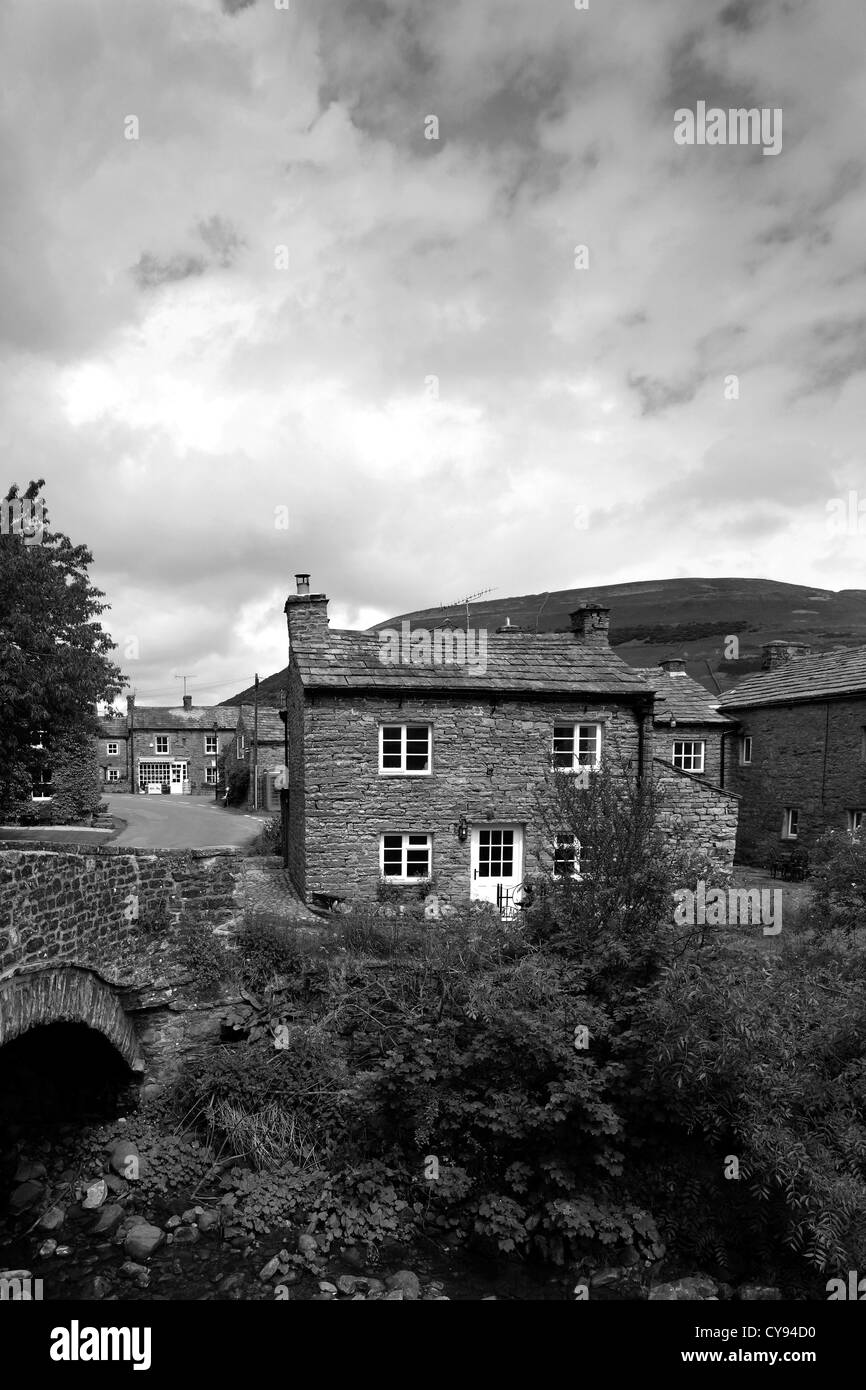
(179, 822)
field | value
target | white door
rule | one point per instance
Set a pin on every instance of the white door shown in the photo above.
(496, 865)
(178, 777)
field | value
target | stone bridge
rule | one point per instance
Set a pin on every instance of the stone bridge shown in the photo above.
(95, 936)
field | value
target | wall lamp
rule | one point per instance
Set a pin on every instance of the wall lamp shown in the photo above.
(462, 829)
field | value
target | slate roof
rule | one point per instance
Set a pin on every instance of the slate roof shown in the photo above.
(159, 717)
(521, 662)
(113, 728)
(271, 727)
(840, 672)
(683, 699)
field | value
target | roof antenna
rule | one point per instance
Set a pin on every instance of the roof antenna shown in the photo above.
(466, 601)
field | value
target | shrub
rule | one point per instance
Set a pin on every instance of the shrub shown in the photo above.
(202, 954)
(267, 952)
(838, 882)
(269, 839)
(238, 787)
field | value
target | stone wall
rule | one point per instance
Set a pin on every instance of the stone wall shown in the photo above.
(705, 816)
(87, 905)
(807, 754)
(489, 757)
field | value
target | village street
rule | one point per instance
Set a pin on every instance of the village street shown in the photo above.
(180, 822)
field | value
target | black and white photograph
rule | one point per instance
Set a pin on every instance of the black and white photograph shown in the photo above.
(432, 669)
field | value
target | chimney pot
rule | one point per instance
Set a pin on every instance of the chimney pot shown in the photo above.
(674, 665)
(130, 702)
(303, 583)
(187, 702)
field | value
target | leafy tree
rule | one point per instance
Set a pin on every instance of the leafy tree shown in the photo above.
(54, 653)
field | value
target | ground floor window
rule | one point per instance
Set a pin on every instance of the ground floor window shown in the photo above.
(405, 856)
(791, 823)
(112, 774)
(210, 776)
(569, 856)
(855, 821)
(154, 772)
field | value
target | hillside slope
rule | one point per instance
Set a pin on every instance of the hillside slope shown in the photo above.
(668, 617)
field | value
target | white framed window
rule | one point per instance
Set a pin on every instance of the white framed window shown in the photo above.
(210, 776)
(41, 738)
(688, 754)
(855, 820)
(112, 748)
(791, 823)
(162, 743)
(576, 746)
(569, 856)
(41, 786)
(405, 750)
(746, 750)
(112, 774)
(406, 857)
(211, 743)
(154, 772)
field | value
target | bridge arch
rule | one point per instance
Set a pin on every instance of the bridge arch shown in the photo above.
(67, 994)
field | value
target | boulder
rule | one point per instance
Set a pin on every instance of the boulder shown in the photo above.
(208, 1221)
(25, 1196)
(30, 1172)
(96, 1195)
(268, 1271)
(693, 1288)
(47, 1248)
(143, 1240)
(108, 1220)
(185, 1235)
(406, 1282)
(758, 1293)
(52, 1219)
(126, 1161)
(308, 1248)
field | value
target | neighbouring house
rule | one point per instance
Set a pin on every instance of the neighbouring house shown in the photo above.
(416, 769)
(259, 743)
(800, 764)
(690, 730)
(113, 754)
(178, 747)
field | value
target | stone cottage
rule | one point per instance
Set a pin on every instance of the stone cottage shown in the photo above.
(178, 747)
(800, 764)
(112, 748)
(405, 765)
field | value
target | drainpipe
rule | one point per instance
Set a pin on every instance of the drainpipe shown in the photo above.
(826, 740)
(256, 745)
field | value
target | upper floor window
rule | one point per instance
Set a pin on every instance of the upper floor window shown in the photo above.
(406, 856)
(211, 743)
(576, 746)
(746, 750)
(162, 743)
(688, 755)
(405, 748)
(40, 738)
(112, 748)
(41, 786)
(791, 823)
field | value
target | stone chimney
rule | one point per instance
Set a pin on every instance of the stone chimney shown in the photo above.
(590, 624)
(509, 626)
(776, 654)
(306, 614)
(674, 665)
(130, 703)
(187, 702)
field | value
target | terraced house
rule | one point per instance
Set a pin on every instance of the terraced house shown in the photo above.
(800, 764)
(177, 748)
(410, 771)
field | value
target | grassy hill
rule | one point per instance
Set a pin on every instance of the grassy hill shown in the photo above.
(669, 617)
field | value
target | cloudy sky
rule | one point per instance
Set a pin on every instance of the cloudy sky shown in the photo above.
(255, 320)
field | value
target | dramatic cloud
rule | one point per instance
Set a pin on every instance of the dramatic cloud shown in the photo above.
(425, 299)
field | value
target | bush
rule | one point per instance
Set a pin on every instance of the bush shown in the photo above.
(762, 1059)
(838, 882)
(238, 787)
(202, 953)
(267, 951)
(269, 839)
